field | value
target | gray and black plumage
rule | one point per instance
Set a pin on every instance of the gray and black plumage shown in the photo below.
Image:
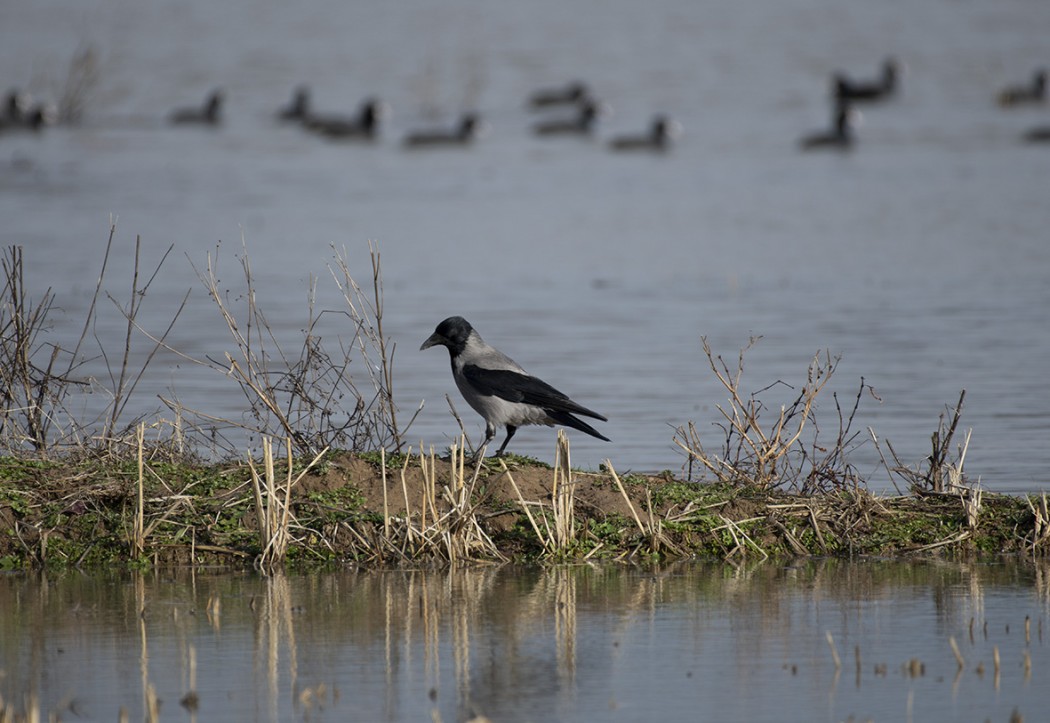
(498, 389)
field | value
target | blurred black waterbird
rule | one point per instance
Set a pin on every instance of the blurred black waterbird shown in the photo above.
(1034, 92)
(868, 90)
(209, 114)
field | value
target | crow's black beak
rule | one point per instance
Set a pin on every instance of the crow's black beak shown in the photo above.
(433, 340)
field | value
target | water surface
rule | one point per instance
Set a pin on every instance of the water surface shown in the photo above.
(682, 642)
(921, 258)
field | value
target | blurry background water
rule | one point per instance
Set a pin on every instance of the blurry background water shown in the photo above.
(922, 257)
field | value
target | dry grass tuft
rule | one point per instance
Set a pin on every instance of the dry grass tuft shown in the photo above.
(651, 528)
(557, 533)
(273, 504)
(942, 473)
(441, 525)
(1041, 525)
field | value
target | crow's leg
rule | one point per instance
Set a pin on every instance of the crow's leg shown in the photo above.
(510, 433)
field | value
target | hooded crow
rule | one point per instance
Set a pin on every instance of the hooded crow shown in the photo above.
(500, 390)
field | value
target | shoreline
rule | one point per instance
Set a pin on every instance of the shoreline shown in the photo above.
(378, 510)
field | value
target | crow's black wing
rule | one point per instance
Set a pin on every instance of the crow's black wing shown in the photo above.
(517, 387)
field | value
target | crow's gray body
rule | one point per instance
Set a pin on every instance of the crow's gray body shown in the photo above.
(498, 389)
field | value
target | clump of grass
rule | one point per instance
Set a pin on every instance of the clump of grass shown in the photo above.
(651, 528)
(1041, 522)
(559, 532)
(273, 505)
(442, 525)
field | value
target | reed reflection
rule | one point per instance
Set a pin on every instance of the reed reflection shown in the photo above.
(557, 642)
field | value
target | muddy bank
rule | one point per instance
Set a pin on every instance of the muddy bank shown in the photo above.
(362, 509)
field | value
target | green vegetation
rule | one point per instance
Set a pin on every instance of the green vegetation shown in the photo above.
(83, 514)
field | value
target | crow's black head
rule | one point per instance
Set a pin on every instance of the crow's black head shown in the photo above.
(453, 333)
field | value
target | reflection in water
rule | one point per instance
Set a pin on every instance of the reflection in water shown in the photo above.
(563, 643)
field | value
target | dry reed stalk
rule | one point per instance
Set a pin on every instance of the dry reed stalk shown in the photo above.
(563, 489)
(558, 538)
(140, 530)
(796, 547)
(524, 505)
(37, 377)
(1041, 525)
(30, 713)
(139, 538)
(954, 471)
(386, 505)
(296, 397)
(885, 464)
(630, 505)
(941, 444)
(265, 397)
(367, 316)
(816, 529)
(652, 528)
(956, 539)
(446, 526)
(386, 387)
(408, 505)
(272, 511)
(971, 502)
(31, 394)
(125, 381)
(741, 539)
(465, 533)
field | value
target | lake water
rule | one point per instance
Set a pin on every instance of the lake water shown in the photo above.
(683, 642)
(922, 257)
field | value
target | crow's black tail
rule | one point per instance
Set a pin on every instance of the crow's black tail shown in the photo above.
(570, 421)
